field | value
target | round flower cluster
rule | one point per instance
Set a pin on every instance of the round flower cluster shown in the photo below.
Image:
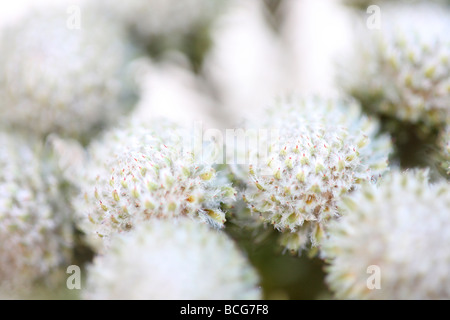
(403, 70)
(35, 225)
(59, 77)
(324, 149)
(138, 172)
(163, 259)
(397, 232)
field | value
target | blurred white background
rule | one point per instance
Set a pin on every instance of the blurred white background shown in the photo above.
(249, 64)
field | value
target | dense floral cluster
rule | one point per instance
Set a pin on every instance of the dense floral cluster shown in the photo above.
(35, 225)
(142, 171)
(95, 182)
(400, 227)
(402, 70)
(46, 79)
(324, 149)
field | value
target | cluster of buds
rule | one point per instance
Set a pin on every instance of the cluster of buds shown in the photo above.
(64, 80)
(402, 70)
(142, 171)
(324, 149)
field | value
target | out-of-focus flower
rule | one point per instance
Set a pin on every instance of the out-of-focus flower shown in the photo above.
(403, 69)
(56, 77)
(163, 259)
(140, 171)
(324, 149)
(399, 228)
(35, 222)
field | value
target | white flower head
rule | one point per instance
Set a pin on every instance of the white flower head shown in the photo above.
(163, 259)
(402, 228)
(54, 79)
(35, 223)
(324, 149)
(138, 172)
(402, 70)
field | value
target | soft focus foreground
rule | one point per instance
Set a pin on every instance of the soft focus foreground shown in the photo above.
(273, 149)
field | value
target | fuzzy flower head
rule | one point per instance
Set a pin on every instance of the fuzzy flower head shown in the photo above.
(403, 70)
(401, 228)
(163, 259)
(54, 79)
(324, 149)
(136, 173)
(35, 229)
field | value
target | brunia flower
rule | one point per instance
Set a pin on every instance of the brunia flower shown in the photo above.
(54, 79)
(163, 259)
(403, 70)
(322, 150)
(140, 171)
(401, 228)
(35, 223)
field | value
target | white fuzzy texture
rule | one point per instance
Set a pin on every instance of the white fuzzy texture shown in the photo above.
(324, 149)
(141, 171)
(54, 79)
(403, 69)
(35, 230)
(402, 226)
(164, 260)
